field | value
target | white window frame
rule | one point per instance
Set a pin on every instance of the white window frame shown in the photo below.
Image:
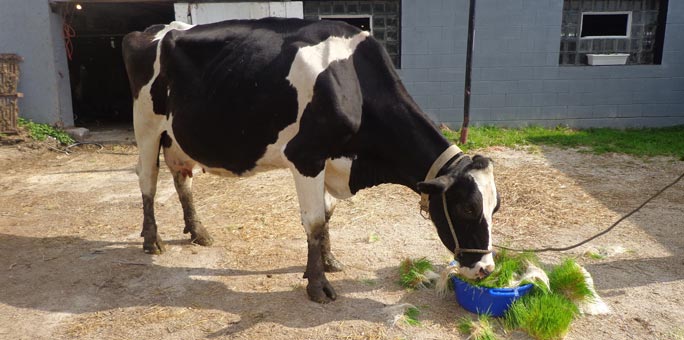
(629, 25)
(350, 16)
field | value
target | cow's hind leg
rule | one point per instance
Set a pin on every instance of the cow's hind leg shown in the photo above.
(181, 167)
(330, 263)
(193, 225)
(148, 172)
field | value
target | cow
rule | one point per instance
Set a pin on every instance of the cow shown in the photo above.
(320, 98)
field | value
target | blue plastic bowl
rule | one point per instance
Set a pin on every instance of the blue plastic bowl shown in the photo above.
(492, 301)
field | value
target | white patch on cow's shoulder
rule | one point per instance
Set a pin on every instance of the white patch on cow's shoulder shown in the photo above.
(174, 25)
(308, 63)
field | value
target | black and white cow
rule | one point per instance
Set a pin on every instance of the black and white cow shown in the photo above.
(320, 98)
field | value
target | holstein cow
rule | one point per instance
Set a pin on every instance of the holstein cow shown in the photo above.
(320, 98)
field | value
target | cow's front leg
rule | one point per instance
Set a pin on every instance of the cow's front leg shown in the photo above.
(330, 263)
(310, 191)
(182, 180)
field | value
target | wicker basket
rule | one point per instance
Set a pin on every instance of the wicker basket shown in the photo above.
(9, 113)
(9, 78)
(9, 73)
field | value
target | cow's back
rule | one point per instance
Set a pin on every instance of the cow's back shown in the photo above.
(223, 87)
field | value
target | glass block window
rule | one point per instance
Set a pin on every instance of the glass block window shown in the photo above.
(634, 27)
(381, 17)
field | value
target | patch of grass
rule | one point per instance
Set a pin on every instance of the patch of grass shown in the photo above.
(542, 316)
(411, 316)
(373, 237)
(594, 255)
(412, 273)
(667, 141)
(369, 282)
(507, 266)
(568, 279)
(40, 131)
(480, 330)
(678, 334)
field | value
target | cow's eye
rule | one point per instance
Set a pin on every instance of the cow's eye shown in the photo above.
(468, 211)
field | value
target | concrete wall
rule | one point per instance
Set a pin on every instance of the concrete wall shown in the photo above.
(31, 30)
(516, 76)
(433, 50)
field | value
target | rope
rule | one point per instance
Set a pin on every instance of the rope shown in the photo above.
(541, 250)
(68, 31)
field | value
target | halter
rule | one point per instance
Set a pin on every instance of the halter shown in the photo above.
(439, 163)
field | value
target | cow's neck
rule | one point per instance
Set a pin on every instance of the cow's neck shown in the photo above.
(402, 153)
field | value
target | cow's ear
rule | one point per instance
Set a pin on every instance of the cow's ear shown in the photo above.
(437, 185)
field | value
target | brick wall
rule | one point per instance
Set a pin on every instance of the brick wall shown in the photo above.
(516, 76)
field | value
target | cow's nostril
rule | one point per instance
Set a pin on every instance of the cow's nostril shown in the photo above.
(484, 272)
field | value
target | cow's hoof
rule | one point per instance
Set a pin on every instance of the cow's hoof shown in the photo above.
(331, 265)
(198, 234)
(203, 239)
(320, 291)
(154, 246)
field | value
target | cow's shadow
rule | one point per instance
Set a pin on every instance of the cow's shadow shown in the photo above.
(77, 276)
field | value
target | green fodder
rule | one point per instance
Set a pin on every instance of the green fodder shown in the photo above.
(477, 330)
(568, 279)
(412, 273)
(542, 316)
(411, 316)
(508, 265)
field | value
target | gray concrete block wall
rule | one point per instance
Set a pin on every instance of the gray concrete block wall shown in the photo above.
(433, 57)
(516, 77)
(31, 30)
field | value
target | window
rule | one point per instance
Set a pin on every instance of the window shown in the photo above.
(634, 27)
(380, 17)
(596, 25)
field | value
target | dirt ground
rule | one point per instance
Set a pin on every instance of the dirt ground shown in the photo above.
(73, 267)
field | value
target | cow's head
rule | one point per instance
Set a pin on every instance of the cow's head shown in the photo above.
(471, 200)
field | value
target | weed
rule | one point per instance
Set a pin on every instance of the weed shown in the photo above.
(415, 273)
(373, 237)
(39, 131)
(480, 330)
(369, 282)
(411, 316)
(594, 255)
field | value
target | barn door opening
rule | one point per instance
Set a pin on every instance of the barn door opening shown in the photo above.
(93, 34)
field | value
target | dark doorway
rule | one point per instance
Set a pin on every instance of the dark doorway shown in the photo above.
(99, 85)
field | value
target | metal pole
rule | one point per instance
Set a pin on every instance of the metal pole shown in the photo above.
(468, 73)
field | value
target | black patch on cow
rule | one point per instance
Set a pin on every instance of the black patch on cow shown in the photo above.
(158, 92)
(166, 141)
(139, 53)
(329, 121)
